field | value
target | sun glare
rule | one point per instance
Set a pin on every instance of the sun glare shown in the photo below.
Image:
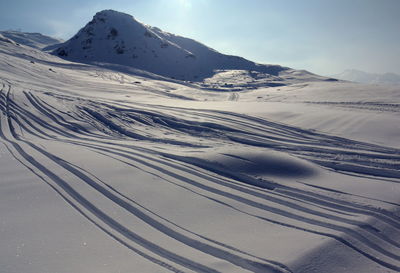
(185, 3)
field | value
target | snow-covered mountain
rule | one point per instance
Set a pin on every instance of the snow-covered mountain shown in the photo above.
(115, 37)
(355, 75)
(35, 40)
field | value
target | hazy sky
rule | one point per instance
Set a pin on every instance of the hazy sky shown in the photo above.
(322, 36)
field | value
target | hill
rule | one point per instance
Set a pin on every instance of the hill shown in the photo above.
(35, 40)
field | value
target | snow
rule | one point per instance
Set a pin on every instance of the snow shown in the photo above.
(114, 170)
(35, 40)
(7, 40)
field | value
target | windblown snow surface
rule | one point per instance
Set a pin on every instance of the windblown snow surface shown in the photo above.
(102, 171)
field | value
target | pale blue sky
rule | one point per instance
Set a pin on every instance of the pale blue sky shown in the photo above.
(321, 36)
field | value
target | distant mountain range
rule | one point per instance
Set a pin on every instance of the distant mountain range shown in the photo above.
(370, 78)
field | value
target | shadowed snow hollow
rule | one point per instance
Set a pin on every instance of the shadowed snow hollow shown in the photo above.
(267, 163)
(253, 167)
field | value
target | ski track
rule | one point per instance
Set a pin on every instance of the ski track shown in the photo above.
(130, 135)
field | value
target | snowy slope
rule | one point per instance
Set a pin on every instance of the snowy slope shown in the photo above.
(35, 40)
(370, 78)
(102, 171)
(117, 38)
(4, 39)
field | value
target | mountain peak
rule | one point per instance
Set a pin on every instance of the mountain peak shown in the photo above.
(117, 38)
(111, 15)
(115, 21)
